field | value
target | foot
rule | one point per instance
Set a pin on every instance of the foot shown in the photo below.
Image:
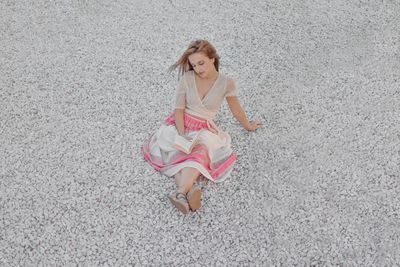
(202, 181)
(194, 198)
(180, 202)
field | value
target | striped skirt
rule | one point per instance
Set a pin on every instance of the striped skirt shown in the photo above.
(212, 157)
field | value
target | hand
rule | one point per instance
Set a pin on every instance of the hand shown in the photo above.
(254, 125)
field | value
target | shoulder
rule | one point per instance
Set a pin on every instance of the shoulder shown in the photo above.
(230, 86)
(230, 82)
(183, 79)
(187, 74)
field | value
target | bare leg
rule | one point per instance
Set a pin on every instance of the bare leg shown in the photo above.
(178, 178)
(185, 179)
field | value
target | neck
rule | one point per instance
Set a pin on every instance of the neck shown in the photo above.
(212, 75)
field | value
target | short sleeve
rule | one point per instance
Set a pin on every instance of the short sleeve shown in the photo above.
(180, 97)
(231, 89)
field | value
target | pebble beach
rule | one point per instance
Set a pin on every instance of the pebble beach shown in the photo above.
(84, 83)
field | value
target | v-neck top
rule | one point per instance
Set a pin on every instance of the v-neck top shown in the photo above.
(209, 89)
(187, 95)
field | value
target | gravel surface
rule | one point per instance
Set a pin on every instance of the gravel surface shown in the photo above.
(84, 83)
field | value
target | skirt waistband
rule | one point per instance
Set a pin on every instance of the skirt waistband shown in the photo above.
(193, 123)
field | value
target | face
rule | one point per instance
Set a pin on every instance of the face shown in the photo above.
(202, 65)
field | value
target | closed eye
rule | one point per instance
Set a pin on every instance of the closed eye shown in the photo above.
(200, 63)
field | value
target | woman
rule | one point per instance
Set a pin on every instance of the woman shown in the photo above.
(201, 91)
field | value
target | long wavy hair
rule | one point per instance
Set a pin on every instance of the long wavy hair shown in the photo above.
(196, 46)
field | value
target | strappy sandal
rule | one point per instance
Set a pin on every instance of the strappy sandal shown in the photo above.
(180, 202)
(194, 198)
(201, 181)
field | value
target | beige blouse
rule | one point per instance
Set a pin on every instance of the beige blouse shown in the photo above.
(187, 96)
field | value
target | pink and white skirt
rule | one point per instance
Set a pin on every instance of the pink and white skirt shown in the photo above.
(212, 157)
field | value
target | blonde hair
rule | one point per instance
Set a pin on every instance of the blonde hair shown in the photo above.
(196, 46)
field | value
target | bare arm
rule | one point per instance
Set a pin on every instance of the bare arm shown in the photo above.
(179, 124)
(240, 114)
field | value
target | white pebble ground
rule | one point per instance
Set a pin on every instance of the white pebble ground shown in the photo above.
(83, 83)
